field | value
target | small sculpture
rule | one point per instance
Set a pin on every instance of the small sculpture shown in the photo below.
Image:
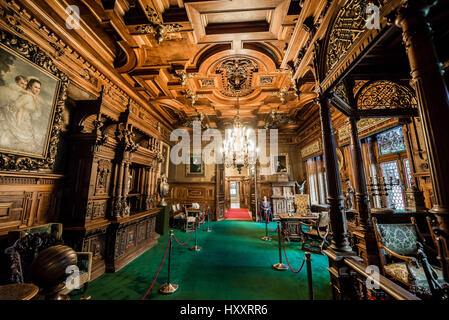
(302, 186)
(164, 188)
(349, 196)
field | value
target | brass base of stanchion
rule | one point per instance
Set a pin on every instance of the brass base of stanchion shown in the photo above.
(207, 230)
(280, 266)
(266, 239)
(195, 248)
(168, 288)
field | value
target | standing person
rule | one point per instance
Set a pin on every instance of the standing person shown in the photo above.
(265, 209)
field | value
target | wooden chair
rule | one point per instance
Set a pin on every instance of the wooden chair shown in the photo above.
(403, 259)
(318, 232)
(440, 240)
(191, 218)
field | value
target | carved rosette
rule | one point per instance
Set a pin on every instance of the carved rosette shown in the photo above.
(34, 54)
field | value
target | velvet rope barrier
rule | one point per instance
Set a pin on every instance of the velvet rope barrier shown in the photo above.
(163, 259)
(182, 244)
(285, 254)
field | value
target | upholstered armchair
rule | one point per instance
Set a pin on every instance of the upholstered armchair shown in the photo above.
(317, 231)
(402, 257)
(26, 245)
(302, 204)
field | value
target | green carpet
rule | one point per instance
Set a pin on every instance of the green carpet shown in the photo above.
(234, 264)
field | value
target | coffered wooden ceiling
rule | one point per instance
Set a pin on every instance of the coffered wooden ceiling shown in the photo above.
(220, 58)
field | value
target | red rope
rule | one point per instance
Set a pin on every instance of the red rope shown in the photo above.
(163, 259)
(269, 222)
(181, 244)
(285, 253)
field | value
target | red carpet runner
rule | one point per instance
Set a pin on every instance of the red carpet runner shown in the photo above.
(237, 214)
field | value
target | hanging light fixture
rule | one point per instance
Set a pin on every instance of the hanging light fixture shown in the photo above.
(239, 146)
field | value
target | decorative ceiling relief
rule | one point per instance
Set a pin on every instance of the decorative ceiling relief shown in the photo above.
(237, 76)
(207, 83)
(266, 80)
(160, 30)
(385, 95)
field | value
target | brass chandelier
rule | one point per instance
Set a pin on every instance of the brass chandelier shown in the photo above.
(239, 147)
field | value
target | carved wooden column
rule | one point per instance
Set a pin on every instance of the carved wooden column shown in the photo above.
(335, 198)
(376, 200)
(154, 185)
(361, 195)
(433, 101)
(147, 200)
(125, 189)
(340, 275)
(118, 204)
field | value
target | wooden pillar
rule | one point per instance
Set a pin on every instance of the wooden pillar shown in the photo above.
(340, 243)
(147, 187)
(361, 195)
(361, 192)
(118, 192)
(433, 101)
(125, 189)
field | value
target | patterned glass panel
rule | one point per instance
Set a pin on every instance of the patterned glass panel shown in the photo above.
(395, 196)
(391, 141)
(408, 172)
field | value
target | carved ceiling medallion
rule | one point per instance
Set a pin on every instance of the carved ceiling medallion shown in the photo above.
(237, 76)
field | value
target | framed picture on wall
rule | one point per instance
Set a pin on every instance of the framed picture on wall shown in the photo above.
(195, 167)
(279, 164)
(164, 165)
(32, 97)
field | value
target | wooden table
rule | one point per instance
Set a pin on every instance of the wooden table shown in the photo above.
(18, 291)
(291, 225)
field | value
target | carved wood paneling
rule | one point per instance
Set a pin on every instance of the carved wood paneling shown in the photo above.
(28, 199)
(187, 193)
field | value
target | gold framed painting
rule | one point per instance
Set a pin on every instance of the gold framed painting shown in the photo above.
(279, 164)
(32, 96)
(195, 167)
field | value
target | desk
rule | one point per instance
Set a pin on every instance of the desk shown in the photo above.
(18, 291)
(291, 227)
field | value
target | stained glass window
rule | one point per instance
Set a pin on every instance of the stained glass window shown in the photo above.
(408, 173)
(391, 141)
(395, 196)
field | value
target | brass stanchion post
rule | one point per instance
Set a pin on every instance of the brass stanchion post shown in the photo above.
(309, 275)
(280, 266)
(208, 214)
(169, 288)
(195, 247)
(266, 238)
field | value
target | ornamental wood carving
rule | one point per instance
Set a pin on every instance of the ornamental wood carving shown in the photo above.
(237, 76)
(349, 25)
(385, 95)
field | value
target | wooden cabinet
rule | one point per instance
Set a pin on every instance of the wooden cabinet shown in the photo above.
(283, 197)
(111, 195)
